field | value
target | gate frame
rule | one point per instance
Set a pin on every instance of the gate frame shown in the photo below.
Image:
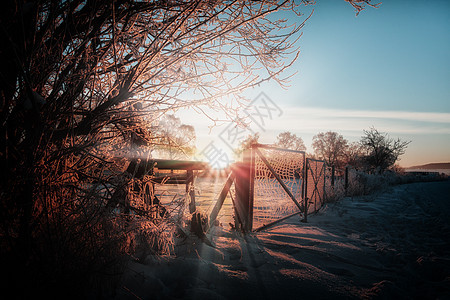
(322, 173)
(243, 176)
(255, 151)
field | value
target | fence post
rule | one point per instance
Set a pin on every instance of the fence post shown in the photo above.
(324, 166)
(244, 203)
(305, 199)
(190, 190)
(252, 188)
(332, 176)
(346, 180)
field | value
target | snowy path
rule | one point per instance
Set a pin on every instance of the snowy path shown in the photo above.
(395, 244)
(404, 234)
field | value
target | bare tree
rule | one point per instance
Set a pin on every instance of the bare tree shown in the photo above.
(82, 82)
(246, 144)
(330, 146)
(175, 140)
(290, 141)
(381, 151)
(354, 155)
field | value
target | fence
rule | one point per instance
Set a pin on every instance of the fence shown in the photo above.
(144, 198)
(270, 185)
(315, 184)
(273, 184)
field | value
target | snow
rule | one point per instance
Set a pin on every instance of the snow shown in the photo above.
(392, 244)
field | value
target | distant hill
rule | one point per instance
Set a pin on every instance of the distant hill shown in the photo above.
(432, 166)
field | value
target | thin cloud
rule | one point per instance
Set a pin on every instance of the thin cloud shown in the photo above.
(431, 117)
(354, 121)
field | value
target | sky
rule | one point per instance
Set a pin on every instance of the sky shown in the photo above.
(387, 68)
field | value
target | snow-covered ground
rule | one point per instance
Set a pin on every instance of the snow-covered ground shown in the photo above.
(394, 244)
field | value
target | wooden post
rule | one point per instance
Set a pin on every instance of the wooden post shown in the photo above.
(190, 190)
(242, 186)
(252, 188)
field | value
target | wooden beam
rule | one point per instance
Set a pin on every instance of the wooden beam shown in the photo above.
(165, 164)
(221, 199)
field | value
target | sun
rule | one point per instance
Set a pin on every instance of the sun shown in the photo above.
(217, 156)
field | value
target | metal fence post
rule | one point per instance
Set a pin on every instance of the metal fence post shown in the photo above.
(332, 176)
(324, 166)
(346, 180)
(305, 209)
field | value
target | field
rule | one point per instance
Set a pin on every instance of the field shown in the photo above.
(394, 244)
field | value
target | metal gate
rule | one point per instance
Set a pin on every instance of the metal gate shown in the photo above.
(278, 184)
(314, 185)
(271, 185)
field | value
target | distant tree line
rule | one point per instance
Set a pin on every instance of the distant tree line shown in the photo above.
(375, 152)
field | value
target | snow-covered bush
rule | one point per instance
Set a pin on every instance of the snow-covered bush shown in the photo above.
(361, 183)
(334, 193)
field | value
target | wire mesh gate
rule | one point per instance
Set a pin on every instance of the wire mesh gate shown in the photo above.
(314, 185)
(278, 184)
(273, 184)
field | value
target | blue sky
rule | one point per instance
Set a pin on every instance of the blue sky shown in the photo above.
(391, 58)
(387, 67)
